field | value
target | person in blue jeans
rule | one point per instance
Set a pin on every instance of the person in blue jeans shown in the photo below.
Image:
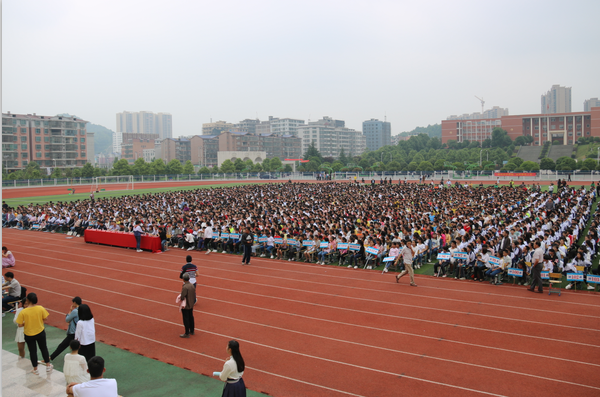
(357, 255)
(137, 232)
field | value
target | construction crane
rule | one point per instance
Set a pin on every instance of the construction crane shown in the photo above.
(482, 103)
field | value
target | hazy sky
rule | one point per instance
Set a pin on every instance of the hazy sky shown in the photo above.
(416, 61)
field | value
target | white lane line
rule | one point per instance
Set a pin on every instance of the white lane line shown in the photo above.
(412, 306)
(336, 362)
(220, 360)
(326, 338)
(331, 307)
(493, 304)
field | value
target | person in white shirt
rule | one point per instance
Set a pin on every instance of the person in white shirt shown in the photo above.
(97, 386)
(85, 332)
(208, 236)
(137, 232)
(75, 368)
(407, 253)
(232, 372)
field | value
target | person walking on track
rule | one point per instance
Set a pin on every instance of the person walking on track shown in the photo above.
(537, 261)
(408, 253)
(188, 292)
(247, 240)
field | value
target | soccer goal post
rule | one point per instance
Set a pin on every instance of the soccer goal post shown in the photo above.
(121, 182)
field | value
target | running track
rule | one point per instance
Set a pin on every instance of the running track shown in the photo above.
(308, 330)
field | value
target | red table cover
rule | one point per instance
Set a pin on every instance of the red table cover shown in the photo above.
(119, 239)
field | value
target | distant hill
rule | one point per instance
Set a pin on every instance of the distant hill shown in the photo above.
(102, 138)
(434, 131)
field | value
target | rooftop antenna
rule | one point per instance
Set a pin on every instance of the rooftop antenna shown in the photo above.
(482, 103)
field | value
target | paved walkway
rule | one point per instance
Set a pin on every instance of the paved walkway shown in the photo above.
(18, 381)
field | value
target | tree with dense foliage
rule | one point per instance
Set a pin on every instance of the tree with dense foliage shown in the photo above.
(312, 151)
(188, 168)
(228, 167)
(276, 164)
(121, 167)
(566, 164)
(174, 167)
(547, 164)
(203, 171)
(87, 171)
(530, 166)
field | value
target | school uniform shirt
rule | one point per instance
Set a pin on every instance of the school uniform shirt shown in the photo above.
(96, 388)
(85, 332)
(230, 370)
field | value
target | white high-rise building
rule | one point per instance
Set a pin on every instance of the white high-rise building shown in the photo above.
(330, 136)
(557, 100)
(117, 139)
(145, 123)
(588, 104)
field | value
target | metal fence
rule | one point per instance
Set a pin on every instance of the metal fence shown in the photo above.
(582, 176)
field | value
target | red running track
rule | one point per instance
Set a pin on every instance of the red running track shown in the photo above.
(321, 330)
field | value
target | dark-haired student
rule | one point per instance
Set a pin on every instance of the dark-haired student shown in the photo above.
(33, 318)
(85, 332)
(232, 372)
(71, 318)
(97, 385)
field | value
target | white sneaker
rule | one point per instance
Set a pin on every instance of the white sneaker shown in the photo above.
(444, 275)
(262, 256)
(462, 278)
(289, 260)
(590, 287)
(49, 368)
(182, 248)
(140, 251)
(356, 267)
(207, 252)
(272, 256)
(190, 249)
(224, 252)
(322, 263)
(385, 270)
(349, 266)
(569, 286)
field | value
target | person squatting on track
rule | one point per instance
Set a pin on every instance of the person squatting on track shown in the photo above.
(232, 372)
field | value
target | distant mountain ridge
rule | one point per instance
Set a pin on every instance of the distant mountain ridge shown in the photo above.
(102, 138)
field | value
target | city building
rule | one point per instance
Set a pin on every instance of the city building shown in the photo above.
(117, 141)
(377, 133)
(281, 146)
(175, 149)
(145, 123)
(216, 128)
(493, 113)
(204, 149)
(274, 125)
(330, 136)
(588, 104)
(50, 141)
(557, 100)
(149, 155)
(256, 157)
(565, 128)
(247, 125)
(133, 145)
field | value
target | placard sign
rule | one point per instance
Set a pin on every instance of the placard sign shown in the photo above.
(263, 239)
(278, 240)
(308, 243)
(342, 246)
(292, 242)
(372, 250)
(494, 260)
(354, 247)
(545, 275)
(593, 279)
(235, 236)
(443, 256)
(324, 245)
(574, 276)
(224, 236)
(389, 258)
(461, 255)
(515, 272)
(215, 236)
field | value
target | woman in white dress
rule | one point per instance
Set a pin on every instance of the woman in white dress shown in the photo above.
(20, 337)
(75, 368)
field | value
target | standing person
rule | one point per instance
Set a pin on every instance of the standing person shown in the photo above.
(536, 268)
(32, 319)
(20, 336)
(247, 240)
(97, 386)
(188, 292)
(232, 372)
(8, 259)
(190, 269)
(85, 332)
(208, 238)
(408, 253)
(14, 291)
(72, 317)
(137, 232)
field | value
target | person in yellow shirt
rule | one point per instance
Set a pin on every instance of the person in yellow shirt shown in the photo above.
(33, 318)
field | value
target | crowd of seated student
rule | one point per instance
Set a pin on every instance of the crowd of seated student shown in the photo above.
(482, 222)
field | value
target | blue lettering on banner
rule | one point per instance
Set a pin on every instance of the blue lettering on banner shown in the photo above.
(574, 276)
(262, 239)
(461, 255)
(593, 279)
(515, 272)
(291, 241)
(443, 256)
(278, 240)
(324, 245)
(235, 236)
(342, 246)
(308, 243)
(215, 236)
(224, 235)
(372, 251)
(354, 247)
(389, 258)
(545, 275)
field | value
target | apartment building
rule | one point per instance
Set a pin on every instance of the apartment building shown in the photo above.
(134, 145)
(216, 128)
(330, 136)
(556, 100)
(51, 141)
(145, 123)
(377, 133)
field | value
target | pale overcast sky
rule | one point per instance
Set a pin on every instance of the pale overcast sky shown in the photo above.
(416, 61)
